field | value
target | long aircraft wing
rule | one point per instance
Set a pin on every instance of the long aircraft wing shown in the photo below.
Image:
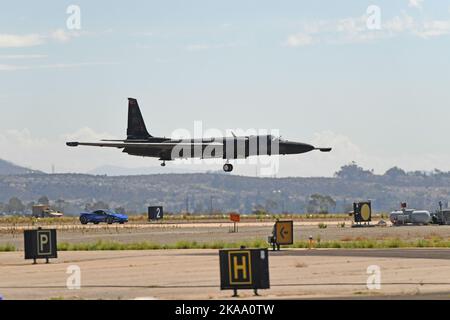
(162, 145)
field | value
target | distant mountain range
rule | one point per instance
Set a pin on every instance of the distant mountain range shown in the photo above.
(206, 192)
(8, 168)
(122, 171)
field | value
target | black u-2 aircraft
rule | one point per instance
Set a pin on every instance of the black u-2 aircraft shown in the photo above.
(140, 143)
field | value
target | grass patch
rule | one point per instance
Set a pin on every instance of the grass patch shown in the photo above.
(376, 244)
(17, 220)
(113, 245)
(8, 247)
(256, 243)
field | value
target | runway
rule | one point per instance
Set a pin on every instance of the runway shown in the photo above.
(412, 253)
(194, 274)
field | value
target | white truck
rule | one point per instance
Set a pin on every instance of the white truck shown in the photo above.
(44, 211)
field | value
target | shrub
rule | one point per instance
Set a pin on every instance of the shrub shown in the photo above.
(8, 247)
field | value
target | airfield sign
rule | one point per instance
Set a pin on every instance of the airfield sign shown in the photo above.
(155, 213)
(362, 211)
(244, 269)
(235, 217)
(284, 232)
(40, 244)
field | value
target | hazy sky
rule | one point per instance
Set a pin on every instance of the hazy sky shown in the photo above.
(311, 69)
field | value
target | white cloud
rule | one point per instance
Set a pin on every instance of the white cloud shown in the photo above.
(143, 34)
(18, 41)
(354, 30)
(22, 56)
(300, 39)
(345, 151)
(87, 134)
(32, 40)
(22, 138)
(27, 149)
(197, 47)
(434, 29)
(203, 46)
(399, 24)
(322, 164)
(21, 147)
(11, 67)
(351, 25)
(415, 4)
(61, 35)
(331, 31)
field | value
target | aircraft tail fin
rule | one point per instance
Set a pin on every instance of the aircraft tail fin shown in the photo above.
(136, 125)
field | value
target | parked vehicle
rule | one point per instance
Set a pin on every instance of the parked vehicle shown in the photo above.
(410, 216)
(441, 216)
(44, 211)
(107, 216)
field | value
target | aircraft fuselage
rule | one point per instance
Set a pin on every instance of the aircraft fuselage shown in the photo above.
(223, 147)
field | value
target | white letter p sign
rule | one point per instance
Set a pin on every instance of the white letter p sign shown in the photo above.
(43, 241)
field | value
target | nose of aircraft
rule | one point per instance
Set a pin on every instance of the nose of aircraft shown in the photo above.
(295, 147)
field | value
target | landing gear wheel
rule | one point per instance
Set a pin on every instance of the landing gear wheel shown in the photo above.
(227, 167)
(163, 164)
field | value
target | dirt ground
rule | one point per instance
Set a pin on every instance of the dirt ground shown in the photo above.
(210, 232)
(194, 274)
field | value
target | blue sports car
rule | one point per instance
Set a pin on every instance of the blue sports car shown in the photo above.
(107, 216)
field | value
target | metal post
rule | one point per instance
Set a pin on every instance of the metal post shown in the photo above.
(211, 205)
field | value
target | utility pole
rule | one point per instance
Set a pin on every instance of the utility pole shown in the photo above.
(211, 205)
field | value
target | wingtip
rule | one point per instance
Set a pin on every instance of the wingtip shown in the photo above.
(325, 149)
(72, 144)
